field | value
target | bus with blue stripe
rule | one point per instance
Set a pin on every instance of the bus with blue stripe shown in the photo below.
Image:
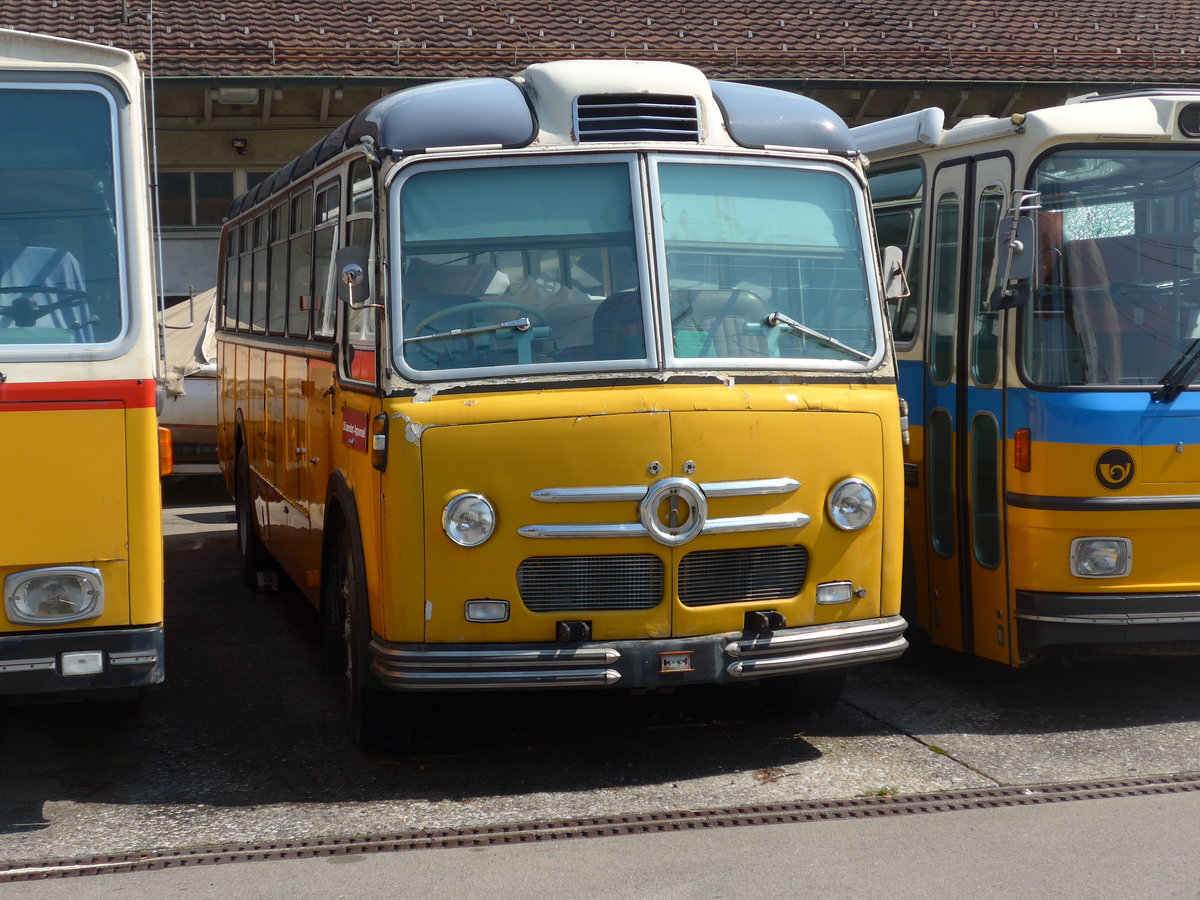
(1047, 352)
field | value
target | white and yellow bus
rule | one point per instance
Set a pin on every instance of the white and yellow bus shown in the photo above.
(81, 554)
(1049, 354)
(578, 378)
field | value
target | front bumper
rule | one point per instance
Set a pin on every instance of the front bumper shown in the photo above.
(1045, 619)
(710, 659)
(33, 662)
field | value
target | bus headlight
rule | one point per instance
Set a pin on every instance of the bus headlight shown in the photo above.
(851, 504)
(469, 520)
(54, 595)
(1107, 557)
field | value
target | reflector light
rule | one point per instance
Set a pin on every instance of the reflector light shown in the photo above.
(166, 452)
(1021, 450)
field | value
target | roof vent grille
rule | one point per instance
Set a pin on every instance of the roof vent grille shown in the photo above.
(637, 117)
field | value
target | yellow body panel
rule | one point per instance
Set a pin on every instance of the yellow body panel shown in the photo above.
(105, 513)
(1163, 555)
(508, 445)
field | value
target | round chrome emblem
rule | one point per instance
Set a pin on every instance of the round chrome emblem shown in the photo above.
(673, 511)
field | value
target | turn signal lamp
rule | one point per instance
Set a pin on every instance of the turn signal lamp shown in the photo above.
(379, 441)
(1021, 450)
(166, 452)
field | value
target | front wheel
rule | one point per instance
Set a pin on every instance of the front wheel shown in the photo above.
(375, 716)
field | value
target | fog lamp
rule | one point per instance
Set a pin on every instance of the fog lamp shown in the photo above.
(469, 520)
(487, 611)
(1106, 557)
(835, 592)
(851, 504)
(54, 595)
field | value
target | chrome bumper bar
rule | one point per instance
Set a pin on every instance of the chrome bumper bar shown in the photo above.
(710, 659)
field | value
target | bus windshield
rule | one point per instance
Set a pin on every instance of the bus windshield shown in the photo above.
(548, 266)
(59, 278)
(1119, 280)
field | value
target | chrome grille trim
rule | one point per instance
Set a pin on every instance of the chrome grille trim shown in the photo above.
(636, 529)
(750, 488)
(755, 487)
(591, 583)
(602, 530)
(756, 523)
(743, 575)
(590, 494)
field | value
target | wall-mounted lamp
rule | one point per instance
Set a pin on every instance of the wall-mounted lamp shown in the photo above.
(337, 94)
(240, 145)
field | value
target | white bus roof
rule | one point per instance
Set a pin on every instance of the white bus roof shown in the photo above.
(1143, 115)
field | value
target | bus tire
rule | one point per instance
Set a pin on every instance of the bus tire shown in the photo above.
(814, 693)
(376, 717)
(255, 558)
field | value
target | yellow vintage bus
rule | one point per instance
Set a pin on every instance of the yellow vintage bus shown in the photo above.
(578, 378)
(1048, 353)
(81, 555)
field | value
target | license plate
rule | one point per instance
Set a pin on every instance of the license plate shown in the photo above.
(677, 661)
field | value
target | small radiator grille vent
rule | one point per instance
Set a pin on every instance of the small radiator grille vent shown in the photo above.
(734, 576)
(637, 117)
(581, 583)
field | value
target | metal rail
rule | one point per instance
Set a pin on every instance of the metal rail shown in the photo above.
(609, 826)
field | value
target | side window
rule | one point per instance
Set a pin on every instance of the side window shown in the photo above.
(985, 321)
(278, 269)
(944, 275)
(245, 272)
(300, 264)
(258, 321)
(229, 287)
(325, 238)
(896, 197)
(360, 225)
(940, 482)
(984, 463)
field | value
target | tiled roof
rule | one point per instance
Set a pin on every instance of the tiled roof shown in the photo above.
(969, 41)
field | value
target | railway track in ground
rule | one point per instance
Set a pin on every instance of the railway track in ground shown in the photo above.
(609, 826)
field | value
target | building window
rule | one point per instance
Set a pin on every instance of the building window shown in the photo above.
(201, 198)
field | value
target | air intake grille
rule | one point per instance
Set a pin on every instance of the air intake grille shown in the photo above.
(578, 583)
(637, 117)
(734, 576)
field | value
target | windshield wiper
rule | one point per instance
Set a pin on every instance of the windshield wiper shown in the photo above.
(1179, 375)
(521, 324)
(778, 319)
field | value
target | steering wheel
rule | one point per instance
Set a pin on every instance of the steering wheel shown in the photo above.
(25, 313)
(478, 304)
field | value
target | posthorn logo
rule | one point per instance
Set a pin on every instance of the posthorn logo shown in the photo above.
(1114, 469)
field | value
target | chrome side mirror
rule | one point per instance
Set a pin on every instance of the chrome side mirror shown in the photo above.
(353, 285)
(1016, 250)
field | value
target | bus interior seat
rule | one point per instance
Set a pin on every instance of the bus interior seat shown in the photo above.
(721, 316)
(617, 326)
